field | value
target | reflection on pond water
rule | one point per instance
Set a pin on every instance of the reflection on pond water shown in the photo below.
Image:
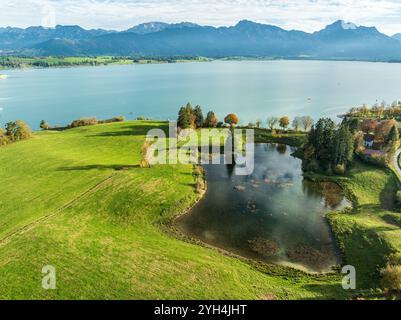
(273, 215)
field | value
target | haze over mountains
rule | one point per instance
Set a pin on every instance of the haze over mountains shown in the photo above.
(339, 40)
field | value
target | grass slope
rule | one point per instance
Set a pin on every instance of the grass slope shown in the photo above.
(370, 232)
(63, 203)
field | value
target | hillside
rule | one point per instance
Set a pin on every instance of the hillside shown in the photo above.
(65, 201)
(78, 201)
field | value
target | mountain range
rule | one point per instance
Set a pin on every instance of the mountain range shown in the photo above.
(338, 41)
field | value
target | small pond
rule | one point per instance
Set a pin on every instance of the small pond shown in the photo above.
(273, 215)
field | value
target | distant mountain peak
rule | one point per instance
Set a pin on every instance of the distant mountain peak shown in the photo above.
(341, 25)
(348, 25)
(397, 36)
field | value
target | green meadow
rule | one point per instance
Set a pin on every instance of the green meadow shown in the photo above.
(77, 200)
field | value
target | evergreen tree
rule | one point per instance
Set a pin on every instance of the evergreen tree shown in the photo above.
(211, 120)
(198, 117)
(324, 136)
(393, 135)
(352, 123)
(343, 147)
(393, 139)
(186, 118)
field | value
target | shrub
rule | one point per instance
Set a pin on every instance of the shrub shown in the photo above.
(395, 259)
(339, 169)
(84, 122)
(200, 186)
(145, 162)
(45, 125)
(18, 130)
(4, 139)
(376, 159)
(311, 166)
(398, 199)
(391, 278)
(112, 120)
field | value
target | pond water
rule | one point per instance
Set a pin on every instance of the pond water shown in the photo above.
(273, 215)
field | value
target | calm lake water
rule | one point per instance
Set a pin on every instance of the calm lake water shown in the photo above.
(274, 215)
(251, 89)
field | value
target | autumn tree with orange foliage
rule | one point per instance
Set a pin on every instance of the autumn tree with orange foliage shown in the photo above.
(231, 120)
(369, 125)
(383, 129)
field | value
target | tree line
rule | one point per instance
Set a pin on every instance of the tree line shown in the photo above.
(379, 111)
(189, 117)
(331, 148)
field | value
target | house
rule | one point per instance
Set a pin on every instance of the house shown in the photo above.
(368, 140)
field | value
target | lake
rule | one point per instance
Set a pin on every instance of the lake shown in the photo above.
(252, 89)
(273, 215)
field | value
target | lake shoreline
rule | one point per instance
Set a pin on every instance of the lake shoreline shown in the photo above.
(187, 237)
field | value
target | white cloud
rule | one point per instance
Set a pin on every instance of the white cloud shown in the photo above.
(308, 15)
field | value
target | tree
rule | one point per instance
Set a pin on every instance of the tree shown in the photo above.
(272, 123)
(284, 122)
(297, 123)
(318, 148)
(211, 120)
(369, 125)
(186, 118)
(393, 135)
(18, 130)
(383, 129)
(307, 123)
(44, 125)
(198, 117)
(352, 123)
(231, 120)
(343, 147)
(393, 139)
(258, 123)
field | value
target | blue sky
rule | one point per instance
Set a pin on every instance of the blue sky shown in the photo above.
(307, 15)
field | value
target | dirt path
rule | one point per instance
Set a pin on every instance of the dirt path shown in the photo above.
(6, 239)
(396, 165)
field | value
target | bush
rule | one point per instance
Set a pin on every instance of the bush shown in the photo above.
(4, 139)
(339, 169)
(377, 160)
(84, 122)
(391, 278)
(112, 120)
(394, 259)
(18, 130)
(398, 199)
(145, 161)
(45, 125)
(311, 166)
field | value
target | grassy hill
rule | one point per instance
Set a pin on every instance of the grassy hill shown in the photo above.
(65, 201)
(77, 200)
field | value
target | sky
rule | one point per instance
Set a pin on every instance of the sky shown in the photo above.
(306, 15)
